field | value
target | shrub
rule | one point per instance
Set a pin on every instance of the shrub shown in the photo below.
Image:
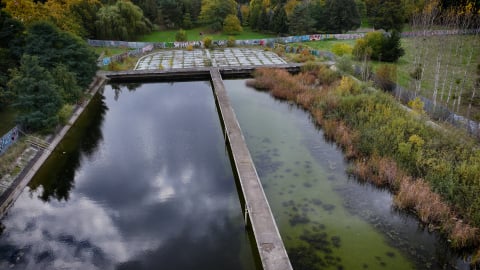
(416, 105)
(231, 25)
(231, 41)
(65, 113)
(344, 64)
(347, 86)
(190, 47)
(379, 46)
(207, 42)
(386, 77)
(181, 35)
(342, 49)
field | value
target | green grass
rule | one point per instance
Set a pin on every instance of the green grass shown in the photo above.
(445, 45)
(7, 120)
(109, 51)
(324, 45)
(194, 34)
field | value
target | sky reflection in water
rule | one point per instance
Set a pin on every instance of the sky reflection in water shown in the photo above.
(155, 190)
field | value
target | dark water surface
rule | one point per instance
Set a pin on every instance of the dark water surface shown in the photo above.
(327, 220)
(142, 182)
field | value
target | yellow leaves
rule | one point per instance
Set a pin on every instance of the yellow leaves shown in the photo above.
(290, 6)
(341, 49)
(25, 11)
(347, 86)
(55, 11)
(416, 140)
(416, 105)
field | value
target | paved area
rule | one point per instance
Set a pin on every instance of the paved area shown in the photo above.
(269, 242)
(171, 59)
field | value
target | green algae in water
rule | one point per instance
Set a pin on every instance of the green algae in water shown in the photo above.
(321, 234)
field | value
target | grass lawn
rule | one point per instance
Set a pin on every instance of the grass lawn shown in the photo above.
(194, 34)
(453, 50)
(7, 120)
(324, 45)
(109, 51)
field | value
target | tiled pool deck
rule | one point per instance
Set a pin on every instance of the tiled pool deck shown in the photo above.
(171, 59)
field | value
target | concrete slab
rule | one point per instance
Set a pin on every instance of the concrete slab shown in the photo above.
(269, 242)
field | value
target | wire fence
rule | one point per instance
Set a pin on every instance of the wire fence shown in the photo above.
(438, 111)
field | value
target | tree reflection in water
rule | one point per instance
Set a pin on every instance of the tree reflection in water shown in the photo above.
(58, 172)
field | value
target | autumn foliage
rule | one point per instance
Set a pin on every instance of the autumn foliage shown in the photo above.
(430, 171)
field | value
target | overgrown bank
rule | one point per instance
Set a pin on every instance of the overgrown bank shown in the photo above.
(434, 173)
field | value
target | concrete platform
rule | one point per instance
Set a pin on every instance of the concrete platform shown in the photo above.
(269, 242)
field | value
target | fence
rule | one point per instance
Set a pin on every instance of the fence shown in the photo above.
(8, 139)
(120, 57)
(438, 111)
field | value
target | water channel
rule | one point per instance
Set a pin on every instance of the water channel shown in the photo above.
(327, 219)
(142, 181)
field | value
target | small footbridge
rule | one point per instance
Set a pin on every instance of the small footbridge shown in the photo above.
(257, 209)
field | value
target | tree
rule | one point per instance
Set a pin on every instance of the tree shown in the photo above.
(11, 38)
(340, 16)
(256, 7)
(122, 21)
(300, 20)
(279, 23)
(214, 12)
(53, 47)
(187, 21)
(38, 99)
(391, 48)
(66, 82)
(386, 14)
(149, 8)
(379, 46)
(231, 25)
(85, 13)
(171, 12)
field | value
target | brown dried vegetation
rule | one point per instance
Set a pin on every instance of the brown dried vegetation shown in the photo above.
(319, 90)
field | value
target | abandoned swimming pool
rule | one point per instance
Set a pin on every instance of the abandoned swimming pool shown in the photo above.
(144, 182)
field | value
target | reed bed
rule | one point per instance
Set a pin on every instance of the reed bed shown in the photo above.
(391, 148)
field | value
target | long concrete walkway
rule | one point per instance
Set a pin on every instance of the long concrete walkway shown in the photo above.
(269, 242)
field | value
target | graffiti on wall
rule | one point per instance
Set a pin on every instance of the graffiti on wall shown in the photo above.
(8, 139)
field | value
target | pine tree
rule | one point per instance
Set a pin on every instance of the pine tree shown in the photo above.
(38, 98)
(279, 21)
(391, 48)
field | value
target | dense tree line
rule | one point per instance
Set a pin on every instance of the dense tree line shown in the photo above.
(42, 69)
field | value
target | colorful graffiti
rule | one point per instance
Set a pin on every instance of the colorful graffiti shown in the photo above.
(8, 139)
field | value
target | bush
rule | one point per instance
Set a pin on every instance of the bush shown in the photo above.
(379, 46)
(231, 41)
(65, 113)
(181, 35)
(208, 42)
(344, 64)
(386, 77)
(231, 25)
(341, 49)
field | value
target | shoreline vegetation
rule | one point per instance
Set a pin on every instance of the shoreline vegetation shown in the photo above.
(432, 173)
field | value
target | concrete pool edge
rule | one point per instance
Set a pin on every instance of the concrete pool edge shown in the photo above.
(267, 236)
(11, 194)
(269, 244)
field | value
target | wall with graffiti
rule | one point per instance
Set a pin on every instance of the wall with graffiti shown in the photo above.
(8, 139)
(140, 48)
